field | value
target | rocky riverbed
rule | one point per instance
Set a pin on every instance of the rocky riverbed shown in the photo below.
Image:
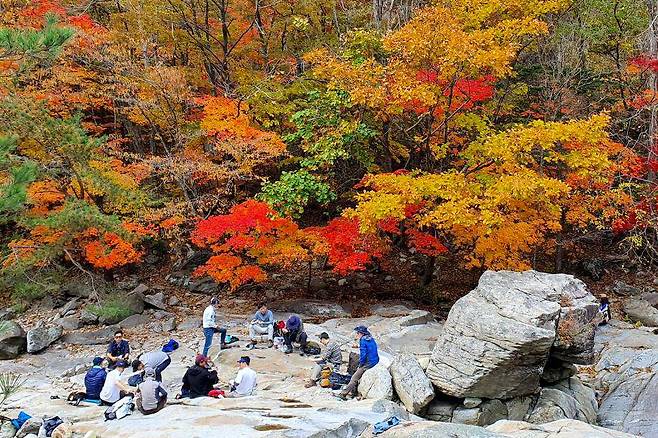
(520, 356)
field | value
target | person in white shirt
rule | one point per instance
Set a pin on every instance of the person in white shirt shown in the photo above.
(245, 382)
(114, 388)
(210, 326)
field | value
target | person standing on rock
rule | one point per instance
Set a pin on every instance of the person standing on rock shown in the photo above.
(210, 326)
(95, 379)
(114, 388)
(368, 358)
(262, 324)
(331, 357)
(118, 350)
(294, 332)
(151, 396)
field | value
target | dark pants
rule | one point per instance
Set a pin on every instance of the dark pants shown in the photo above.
(161, 404)
(293, 336)
(209, 333)
(160, 368)
(354, 381)
(122, 394)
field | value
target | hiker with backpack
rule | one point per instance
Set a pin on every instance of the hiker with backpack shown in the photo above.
(331, 358)
(151, 396)
(244, 383)
(605, 314)
(294, 332)
(114, 388)
(368, 358)
(210, 327)
(261, 324)
(95, 379)
(118, 350)
(199, 380)
(158, 360)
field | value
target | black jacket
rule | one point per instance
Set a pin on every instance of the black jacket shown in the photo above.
(198, 381)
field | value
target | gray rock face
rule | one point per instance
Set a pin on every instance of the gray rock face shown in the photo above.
(556, 371)
(376, 383)
(40, 338)
(390, 408)
(639, 309)
(156, 300)
(497, 339)
(71, 305)
(353, 427)
(410, 382)
(13, 340)
(627, 374)
(31, 426)
(96, 337)
(441, 410)
(87, 317)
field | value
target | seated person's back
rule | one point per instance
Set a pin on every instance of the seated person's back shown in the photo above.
(198, 380)
(94, 380)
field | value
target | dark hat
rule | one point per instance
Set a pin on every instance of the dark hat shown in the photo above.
(97, 361)
(362, 329)
(122, 364)
(214, 301)
(324, 335)
(244, 359)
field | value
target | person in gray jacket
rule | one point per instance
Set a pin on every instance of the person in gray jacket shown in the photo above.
(331, 357)
(151, 396)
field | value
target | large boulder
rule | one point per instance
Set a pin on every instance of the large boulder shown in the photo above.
(13, 340)
(39, 338)
(553, 405)
(498, 338)
(434, 429)
(410, 382)
(376, 383)
(641, 310)
(156, 300)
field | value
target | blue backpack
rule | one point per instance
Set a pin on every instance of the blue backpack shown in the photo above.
(170, 346)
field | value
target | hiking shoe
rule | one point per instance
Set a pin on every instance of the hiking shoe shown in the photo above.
(310, 384)
(251, 346)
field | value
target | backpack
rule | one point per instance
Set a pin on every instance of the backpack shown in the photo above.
(337, 380)
(170, 346)
(120, 409)
(22, 418)
(231, 339)
(311, 348)
(49, 425)
(136, 379)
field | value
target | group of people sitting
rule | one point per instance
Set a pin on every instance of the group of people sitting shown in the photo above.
(105, 381)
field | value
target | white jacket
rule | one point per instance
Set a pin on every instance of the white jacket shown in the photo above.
(209, 317)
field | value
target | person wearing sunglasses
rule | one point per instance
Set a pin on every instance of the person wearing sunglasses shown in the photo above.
(118, 350)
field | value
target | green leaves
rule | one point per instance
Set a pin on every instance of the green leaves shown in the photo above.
(293, 192)
(13, 193)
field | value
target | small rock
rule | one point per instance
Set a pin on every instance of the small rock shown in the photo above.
(622, 288)
(174, 301)
(40, 338)
(162, 314)
(388, 278)
(13, 340)
(169, 325)
(441, 410)
(141, 289)
(7, 314)
(68, 323)
(190, 323)
(342, 282)
(317, 283)
(641, 310)
(416, 317)
(472, 402)
(156, 300)
(553, 405)
(88, 318)
(134, 321)
(362, 286)
(71, 305)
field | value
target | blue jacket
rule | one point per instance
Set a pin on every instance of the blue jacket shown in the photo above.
(368, 349)
(94, 381)
(119, 349)
(294, 323)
